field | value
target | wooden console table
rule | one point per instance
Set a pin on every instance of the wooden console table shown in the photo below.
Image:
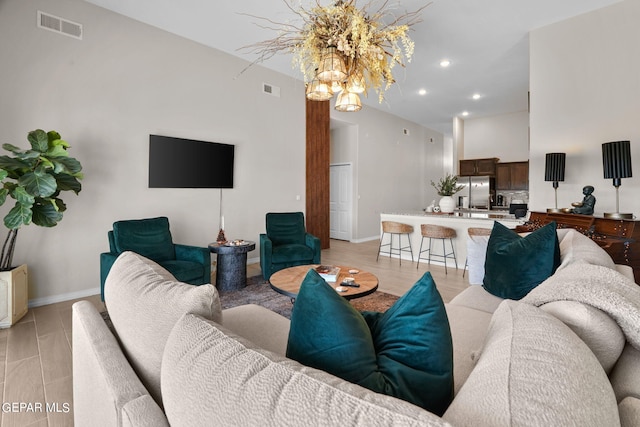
(619, 237)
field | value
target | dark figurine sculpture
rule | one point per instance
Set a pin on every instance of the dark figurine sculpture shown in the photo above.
(588, 202)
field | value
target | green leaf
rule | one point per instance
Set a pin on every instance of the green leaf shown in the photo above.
(18, 215)
(52, 136)
(11, 164)
(21, 196)
(3, 195)
(68, 182)
(60, 205)
(71, 165)
(58, 142)
(3, 174)
(46, 163)
(57, 151)
(12, 148)
(46, 215)
(39, 140)
(38, 183)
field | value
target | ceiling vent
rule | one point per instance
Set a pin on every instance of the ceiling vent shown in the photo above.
(59, 25)
(271, 89)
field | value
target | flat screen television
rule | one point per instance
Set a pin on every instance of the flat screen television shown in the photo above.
(187, 163)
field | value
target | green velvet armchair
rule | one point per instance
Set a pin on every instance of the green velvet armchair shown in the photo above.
(151, 238)
(286, 243)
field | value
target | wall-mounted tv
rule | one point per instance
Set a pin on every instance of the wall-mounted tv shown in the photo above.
(187, 163)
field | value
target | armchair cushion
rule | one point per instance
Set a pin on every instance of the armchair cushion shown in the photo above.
(286, 228)
(291, 253)
(186, 271)
(150, 238)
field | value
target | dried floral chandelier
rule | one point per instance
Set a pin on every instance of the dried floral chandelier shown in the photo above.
(344, 50)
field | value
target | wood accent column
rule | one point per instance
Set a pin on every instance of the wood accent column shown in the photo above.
(318, 159)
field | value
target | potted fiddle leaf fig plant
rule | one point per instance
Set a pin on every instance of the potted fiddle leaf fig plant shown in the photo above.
(34, 178)
(447, 187)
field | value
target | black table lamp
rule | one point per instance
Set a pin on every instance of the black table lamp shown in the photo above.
(554, 171)
(616, 164)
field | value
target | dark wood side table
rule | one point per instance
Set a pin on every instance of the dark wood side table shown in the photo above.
(231, 271)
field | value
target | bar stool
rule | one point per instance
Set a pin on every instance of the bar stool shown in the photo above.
(396, 228)
(442, 233)
(473, 232)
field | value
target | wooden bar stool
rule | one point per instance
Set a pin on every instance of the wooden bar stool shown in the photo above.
(473, 232)
(396, 228)
(438, 232)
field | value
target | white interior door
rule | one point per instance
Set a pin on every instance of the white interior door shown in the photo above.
(340, 201)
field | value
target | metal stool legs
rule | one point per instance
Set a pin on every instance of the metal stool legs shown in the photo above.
(400, 247)
(444, 255)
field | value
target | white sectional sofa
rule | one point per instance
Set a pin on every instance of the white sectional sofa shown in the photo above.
(561, 356)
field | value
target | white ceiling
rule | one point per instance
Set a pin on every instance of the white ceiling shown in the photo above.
(486, 41)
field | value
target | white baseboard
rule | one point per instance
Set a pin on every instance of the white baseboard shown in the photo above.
(37, 302)
(366, 239)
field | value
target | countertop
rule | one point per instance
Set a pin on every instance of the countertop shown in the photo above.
(464, 214)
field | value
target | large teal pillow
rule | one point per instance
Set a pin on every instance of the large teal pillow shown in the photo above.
(514, 265)
(406, 352)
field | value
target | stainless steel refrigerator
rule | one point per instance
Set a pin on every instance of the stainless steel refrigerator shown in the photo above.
(481, 191)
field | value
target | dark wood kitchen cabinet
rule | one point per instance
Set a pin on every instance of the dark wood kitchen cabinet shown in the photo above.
(512, 176)
(476, 167)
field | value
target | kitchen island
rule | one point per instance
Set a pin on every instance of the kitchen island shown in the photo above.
(459, 220)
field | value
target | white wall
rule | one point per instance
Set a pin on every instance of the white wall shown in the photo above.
(392, 170)
(505, 136)
(585, 91)
(105, 95)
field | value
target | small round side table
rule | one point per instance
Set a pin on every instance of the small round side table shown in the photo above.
(231, 271)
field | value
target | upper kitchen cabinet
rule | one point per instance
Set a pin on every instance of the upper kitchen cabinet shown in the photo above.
(512, 176)
(474, 167)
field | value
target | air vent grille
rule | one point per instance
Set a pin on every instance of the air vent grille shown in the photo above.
(59, 25)
(270, 89)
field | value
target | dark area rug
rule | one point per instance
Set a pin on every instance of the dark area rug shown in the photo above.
(259, 292)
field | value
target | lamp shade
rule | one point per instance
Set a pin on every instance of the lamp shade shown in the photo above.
(318, 90)
(616, 160)
(554, 166)
(331, 67)
(348, 102)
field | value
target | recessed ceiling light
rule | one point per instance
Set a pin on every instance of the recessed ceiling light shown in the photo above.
(445, 63)
(476, 96)
(422, 92)
(465, 113)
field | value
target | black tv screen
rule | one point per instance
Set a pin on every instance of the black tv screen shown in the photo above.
(187, 163)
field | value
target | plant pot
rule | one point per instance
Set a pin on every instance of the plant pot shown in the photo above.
(14, 297)
(447, 204)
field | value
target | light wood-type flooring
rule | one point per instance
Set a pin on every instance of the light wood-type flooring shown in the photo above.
(36, 379)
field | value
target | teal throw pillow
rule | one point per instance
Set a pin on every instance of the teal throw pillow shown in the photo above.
(405, 352)
(514, 265)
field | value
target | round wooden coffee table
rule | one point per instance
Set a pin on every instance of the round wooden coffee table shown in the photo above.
(288, 281)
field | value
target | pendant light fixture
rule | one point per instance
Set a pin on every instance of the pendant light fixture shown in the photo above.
(318, 90)
(331, 68)
(348, 102)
